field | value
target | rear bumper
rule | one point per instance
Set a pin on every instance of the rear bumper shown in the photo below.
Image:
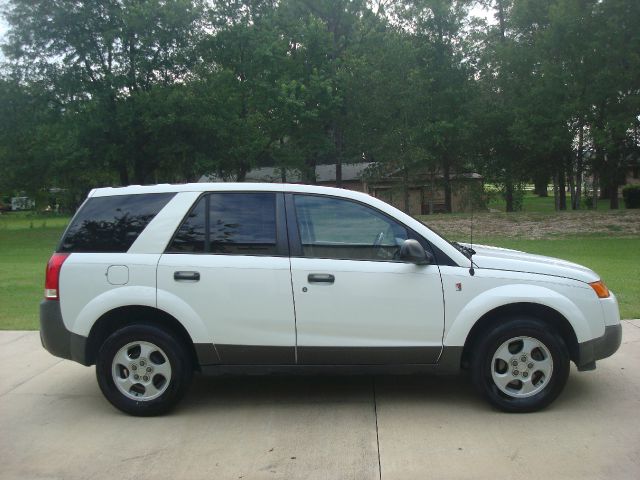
(599, 348)
(56, 338)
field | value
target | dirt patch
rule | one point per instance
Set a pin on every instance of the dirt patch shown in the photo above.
(621, 223)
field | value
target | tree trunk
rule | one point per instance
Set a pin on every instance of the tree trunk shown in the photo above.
(124, 174)
(433, 192)
(405, 190)
(570, 176)
(446, 178)
(613, 195)
(540, 186)
(242, 172)
(309, 173)
(579, 167)
(556, 197)
(562, 190)
(508, 195)
(595, 192)
(572, 190)
(338, 140)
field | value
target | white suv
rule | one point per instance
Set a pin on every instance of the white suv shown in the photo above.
(153, 282)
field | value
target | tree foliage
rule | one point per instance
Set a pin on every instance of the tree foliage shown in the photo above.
(111, 92)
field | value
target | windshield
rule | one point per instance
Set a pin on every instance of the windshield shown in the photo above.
(466, 251)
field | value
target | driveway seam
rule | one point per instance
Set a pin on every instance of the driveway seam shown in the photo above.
(31, 378)
(16, 339)
(375, 411)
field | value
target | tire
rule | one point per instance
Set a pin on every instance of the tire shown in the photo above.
(160, 363)
(541, 371)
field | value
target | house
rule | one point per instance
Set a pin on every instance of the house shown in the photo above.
(425, 190)
(632, 170)
(352, 176)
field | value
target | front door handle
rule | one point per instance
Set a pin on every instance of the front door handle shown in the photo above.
(189, 276)
(321, 278)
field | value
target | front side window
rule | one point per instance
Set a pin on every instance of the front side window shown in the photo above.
(229, 223)
(342, 229)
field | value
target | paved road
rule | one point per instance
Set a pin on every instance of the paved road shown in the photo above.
(54, 423)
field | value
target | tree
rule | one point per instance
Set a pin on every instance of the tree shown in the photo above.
(104, 54)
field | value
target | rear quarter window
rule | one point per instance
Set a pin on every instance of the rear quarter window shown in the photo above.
(111, 224)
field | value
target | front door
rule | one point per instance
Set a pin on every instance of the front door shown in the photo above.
(229, 262)
(355, 302)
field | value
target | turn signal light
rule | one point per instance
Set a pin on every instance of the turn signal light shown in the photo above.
(600, 288)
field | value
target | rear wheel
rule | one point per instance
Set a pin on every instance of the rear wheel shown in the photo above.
(521, 365)
(143, 370)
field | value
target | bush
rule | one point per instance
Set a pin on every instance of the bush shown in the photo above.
(631, 195)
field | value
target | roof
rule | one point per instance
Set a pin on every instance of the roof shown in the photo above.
(324, 173)
(217, 187)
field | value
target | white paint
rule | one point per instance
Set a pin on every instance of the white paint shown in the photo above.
(249, 300)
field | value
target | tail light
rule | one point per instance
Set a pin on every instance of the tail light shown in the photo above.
(52, 278)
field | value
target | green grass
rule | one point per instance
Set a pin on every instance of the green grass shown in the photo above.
(26, 243)
(533, 203)
(27, 220)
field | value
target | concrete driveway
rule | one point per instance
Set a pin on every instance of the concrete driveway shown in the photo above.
(54, 423)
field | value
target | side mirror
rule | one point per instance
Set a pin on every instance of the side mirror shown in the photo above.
(412, 252)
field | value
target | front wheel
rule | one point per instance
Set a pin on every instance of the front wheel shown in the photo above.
(521, 365)
(143, 370)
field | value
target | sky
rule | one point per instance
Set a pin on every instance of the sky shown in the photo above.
(3, 25)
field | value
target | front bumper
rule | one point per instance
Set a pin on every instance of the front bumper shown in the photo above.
(599, 348)
(56, 338)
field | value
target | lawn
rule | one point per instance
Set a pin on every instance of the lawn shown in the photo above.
(533, 203)
(26, 243)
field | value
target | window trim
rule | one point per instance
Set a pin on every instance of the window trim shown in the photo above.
(282, 241)
(295, 243)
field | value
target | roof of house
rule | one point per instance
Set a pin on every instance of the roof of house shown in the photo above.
(324, 173)
(327, 174)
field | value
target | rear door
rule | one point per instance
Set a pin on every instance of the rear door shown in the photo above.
(356, 303)
(229, 262)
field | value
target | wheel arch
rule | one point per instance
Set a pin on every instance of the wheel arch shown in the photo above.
(544, 313)
(120, 317)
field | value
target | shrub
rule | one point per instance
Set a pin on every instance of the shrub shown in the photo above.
(631, 195)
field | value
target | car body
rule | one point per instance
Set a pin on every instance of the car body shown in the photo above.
(239, 278)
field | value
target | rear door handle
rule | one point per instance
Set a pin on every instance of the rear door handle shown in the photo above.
(189, 276)
(321, 278)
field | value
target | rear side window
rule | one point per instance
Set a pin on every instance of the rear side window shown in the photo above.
(229, 223)
(112, 224)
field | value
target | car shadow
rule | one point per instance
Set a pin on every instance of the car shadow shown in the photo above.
(430, 391)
